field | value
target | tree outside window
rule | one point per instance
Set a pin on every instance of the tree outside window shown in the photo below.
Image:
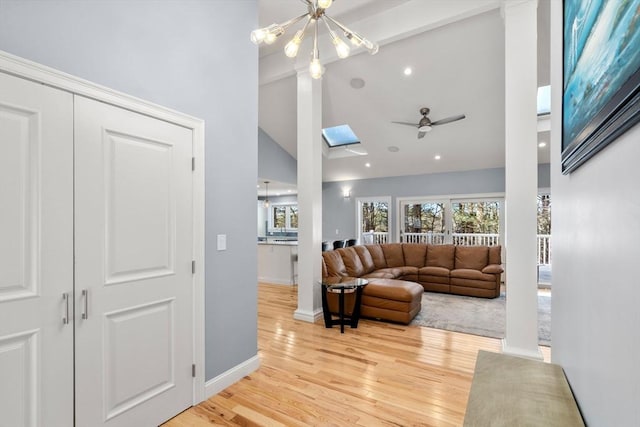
(375, 217)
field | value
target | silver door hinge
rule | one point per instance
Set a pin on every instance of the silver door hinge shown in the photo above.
(193, 370)
(193, 267)
(193, 163)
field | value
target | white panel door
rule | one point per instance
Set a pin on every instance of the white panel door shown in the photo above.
(133, 249)
(36, 254)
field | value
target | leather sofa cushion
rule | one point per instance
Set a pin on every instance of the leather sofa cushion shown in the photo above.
(324, 268)
(494, 255)
(465, 273)
(440, 256)
(434, 271)
(397, 290)
(351, 261)
(377, 255)
(415, 254)
(493, 269)
(471, 257)
(334, 263)
(393, 254)
(380, 274)
(365, 258)
(390, 273)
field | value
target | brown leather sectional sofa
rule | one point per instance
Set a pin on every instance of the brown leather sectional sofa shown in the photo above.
(395, 270)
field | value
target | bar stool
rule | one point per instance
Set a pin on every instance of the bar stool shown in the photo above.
(338, 244)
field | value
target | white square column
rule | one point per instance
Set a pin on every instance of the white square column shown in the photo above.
(309, 197)
(521, 177)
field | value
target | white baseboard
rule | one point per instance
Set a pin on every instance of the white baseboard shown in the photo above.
(233, 375)
(515, 351)
(308, 316)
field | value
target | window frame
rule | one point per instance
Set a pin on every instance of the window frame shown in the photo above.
(288, 228)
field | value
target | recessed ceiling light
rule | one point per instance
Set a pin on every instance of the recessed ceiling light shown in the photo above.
(289, 191)
(437, 157)
(408, 71)
(393, 149)
(357, 83)
(542, 144)
(368, 165)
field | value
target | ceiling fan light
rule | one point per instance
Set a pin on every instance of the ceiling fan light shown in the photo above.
(426, 128)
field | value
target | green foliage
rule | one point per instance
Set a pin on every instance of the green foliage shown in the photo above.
(476, 217)
(544, 214)
(375, 216)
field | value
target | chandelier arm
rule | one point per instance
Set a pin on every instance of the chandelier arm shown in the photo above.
(342, 27)
(292, 21)
(331, 32)
(316, 54)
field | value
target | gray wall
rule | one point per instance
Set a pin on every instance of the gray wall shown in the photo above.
(340, 214)
(274, 163)
(195, 57)
(596, 316)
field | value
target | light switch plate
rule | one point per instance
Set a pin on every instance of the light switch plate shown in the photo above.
(222, 242)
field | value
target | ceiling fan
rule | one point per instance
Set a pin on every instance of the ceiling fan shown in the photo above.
(425, 124)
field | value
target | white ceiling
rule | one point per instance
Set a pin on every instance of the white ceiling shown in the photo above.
(458, 68)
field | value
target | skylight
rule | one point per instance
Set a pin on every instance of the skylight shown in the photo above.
(339, 136)
(544, 100)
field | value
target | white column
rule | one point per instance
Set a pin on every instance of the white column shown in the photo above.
(521, 177)
(309, 197)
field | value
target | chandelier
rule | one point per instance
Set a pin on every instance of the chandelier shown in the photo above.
(315, 12)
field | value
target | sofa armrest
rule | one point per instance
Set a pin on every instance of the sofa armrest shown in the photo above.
(493, 269)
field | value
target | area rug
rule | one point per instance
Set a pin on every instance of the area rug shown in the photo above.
(477, 316)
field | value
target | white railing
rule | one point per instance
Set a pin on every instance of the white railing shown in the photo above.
(374, 237)
(430, 238)
(473, 239)
(380, 237)
(544, 249)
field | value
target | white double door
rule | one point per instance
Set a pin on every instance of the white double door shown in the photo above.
(95, 262)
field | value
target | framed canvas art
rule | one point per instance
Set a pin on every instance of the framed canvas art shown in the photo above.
(601, 79)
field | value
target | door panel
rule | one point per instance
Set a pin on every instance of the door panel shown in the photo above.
(133, 248)
(36, 254)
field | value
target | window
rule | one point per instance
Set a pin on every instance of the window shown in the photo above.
(468, 221)
(544, 100)
(338, 136)
(424, 222)
(373, 219)
(283, 217)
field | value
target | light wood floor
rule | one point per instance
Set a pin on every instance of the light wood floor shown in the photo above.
(379, 374)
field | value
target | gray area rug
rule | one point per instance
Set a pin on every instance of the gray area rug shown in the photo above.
(477, 316)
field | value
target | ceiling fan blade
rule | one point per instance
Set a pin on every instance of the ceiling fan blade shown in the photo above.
(421, 134)
(448, 120)
(407, 124)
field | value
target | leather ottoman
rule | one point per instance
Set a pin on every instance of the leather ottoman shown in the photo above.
(391, 299)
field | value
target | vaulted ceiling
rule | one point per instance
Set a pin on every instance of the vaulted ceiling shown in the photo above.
(456, 53)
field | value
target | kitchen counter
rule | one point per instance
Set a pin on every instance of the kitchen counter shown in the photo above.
(277, 262)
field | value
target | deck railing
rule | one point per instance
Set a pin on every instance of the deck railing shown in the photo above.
(544, 249)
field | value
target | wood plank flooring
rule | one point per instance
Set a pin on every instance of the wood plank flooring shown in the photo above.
(379, 374)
